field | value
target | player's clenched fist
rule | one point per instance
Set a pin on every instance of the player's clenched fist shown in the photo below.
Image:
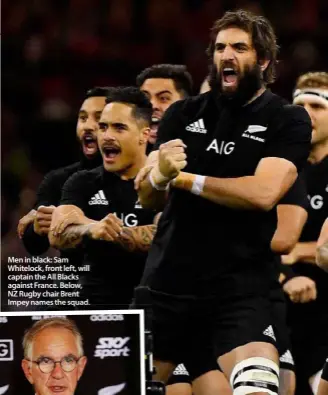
(301, 289)
(109, 228)
(42, 220)
(172, 158)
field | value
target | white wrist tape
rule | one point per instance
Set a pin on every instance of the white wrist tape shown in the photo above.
(159, 187)
(198, 185)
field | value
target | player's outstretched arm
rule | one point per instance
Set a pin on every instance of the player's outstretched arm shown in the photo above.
(262, 191)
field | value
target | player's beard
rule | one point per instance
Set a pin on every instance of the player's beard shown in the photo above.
(249, 83)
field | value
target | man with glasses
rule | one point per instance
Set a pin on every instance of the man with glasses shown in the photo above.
(53, 356)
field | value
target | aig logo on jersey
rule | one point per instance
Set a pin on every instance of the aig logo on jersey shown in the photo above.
(112, 347)
(316, 201)
(221, 148)
(249, 132)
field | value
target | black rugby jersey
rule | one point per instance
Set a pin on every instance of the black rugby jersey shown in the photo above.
(114, 271)
(316, 177)
(200, 244)
(49, 193)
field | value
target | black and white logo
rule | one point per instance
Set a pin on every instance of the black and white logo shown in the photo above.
(128, 220)
(138, 204)
(197, 127)
(222, 147)
(3, 320)
(316, 202)
(99, 198)
(249, 132)
(6, 350)
(287, 358)
(112, 389)
(181, 370)
(269, 332)
(112, 347)
(4, 389)
(107, 317)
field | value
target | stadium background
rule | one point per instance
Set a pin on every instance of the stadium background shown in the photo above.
(54, 50)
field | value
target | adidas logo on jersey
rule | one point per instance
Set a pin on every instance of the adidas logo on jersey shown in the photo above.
(287, 358)
(138, 204)
(180, 370)
(197, 127)
(99, 198)
(269, 332)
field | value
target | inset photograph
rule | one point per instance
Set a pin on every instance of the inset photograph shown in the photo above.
(82, 353)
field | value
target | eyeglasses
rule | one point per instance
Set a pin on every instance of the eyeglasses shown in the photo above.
(47, 365)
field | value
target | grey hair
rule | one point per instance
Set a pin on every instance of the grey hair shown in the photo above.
(53, 322)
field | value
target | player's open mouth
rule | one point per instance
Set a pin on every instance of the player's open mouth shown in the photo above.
(89, 143)
(57, 389)
(229, 77)
(154, 126)
(110, 153)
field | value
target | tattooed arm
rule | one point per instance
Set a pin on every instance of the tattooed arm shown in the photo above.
(138, 238)
(69, 226)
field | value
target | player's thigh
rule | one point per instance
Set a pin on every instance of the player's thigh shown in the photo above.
(179, 389)
(211, 383)
(252, 362)
(163, 370)
(323, 387)
(287, 382)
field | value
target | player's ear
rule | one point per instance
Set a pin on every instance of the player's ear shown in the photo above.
(144, 135)
(264, 63)
(26, 366)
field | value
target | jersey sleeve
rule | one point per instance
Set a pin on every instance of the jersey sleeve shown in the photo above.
(297, 194)
(49, 190)
(34, 243)
(75, 190)
(292, 140)
(170, 127)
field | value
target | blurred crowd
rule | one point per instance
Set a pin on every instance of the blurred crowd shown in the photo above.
(54, 50)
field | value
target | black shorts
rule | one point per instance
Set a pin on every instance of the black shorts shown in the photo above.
(179, 375)
(309, 338)
(325, 371)
(183, 326)
(279, 317)
(206, 361)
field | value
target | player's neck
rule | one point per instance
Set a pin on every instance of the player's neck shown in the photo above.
(318, 152)
(133, 170)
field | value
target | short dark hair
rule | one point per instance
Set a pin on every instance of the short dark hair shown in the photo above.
(98, 91)
(178, 73)
(261, 32)
(132, 95)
